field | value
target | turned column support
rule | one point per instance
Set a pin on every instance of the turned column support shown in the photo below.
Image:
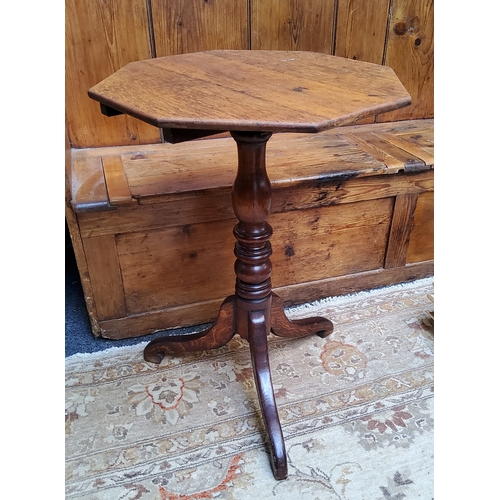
(251, 197)
(253, 311)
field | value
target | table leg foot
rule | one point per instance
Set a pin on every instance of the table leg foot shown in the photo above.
(284, 327)
(257, 333)
(216, 336)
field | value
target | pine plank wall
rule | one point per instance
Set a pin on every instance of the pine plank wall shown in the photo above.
(104, 35)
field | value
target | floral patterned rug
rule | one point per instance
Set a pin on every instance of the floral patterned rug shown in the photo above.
(356, 410)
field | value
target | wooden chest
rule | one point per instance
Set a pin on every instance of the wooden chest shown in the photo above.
(152, 225)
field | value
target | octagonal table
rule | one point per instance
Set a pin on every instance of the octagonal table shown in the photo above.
(250, 94)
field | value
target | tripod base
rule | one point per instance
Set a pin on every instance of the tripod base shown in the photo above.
(252, 320)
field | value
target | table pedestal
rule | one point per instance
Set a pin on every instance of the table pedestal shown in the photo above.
(253, 311)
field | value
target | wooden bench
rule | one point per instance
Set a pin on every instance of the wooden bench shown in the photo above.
(143, 224)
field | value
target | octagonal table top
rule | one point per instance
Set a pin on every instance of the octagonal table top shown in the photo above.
(253, 90)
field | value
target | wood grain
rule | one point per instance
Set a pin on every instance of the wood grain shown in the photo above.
(421, 128)
(215, 336)
(282, 326)
(393, 164)
(341, 203)
(101, 37)
(164, 172)
(76, 239)
(401, 228)
(421, 244)
(394, 157)
(410, 52)
(206, 311)
(258, 330)
(68, 167)
(198, 25)
(88, 187)
(361, 30)
(421, 149)
(105, 275)
(178, 170)
(292, 25)
(268, 91)
(116, 181)
(337, 193)
(214, 207)
(161, 268)
(331, 241)
(206, 208)
(81, 262)
(134, 325)
(418, 131)
(353, 283)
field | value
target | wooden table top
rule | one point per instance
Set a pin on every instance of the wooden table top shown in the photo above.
(254, 90)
